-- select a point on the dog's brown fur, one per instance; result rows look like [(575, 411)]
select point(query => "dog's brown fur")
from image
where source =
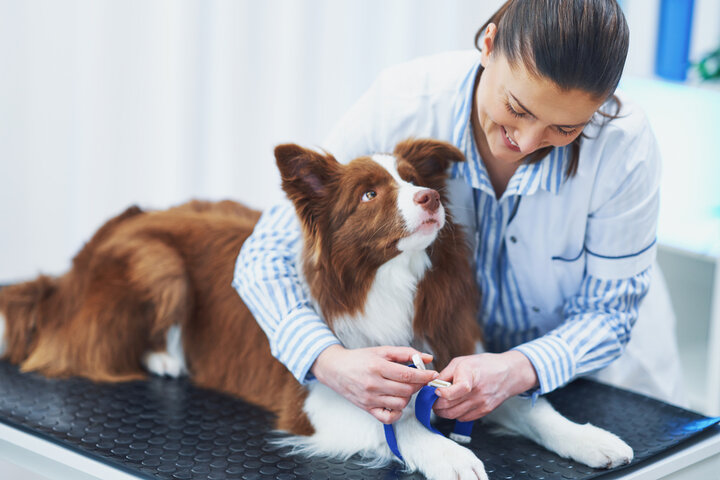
[(143, 272)]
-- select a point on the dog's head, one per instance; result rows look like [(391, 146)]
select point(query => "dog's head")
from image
[(376, 206), (357, 216), (23, 309)]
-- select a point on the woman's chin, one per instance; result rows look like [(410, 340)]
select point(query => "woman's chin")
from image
[(505, 155)]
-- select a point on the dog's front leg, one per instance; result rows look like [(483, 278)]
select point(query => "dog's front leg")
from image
[(169, 361), (342, 430), (542, 424), (435, 456)]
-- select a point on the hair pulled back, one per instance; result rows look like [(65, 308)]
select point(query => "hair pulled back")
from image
[(577, 44)]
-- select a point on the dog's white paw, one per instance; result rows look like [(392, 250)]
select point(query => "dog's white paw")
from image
[(598, 448), (452, 462), (163, 364)]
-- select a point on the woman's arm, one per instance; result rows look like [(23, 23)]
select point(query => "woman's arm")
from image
[(268, 280), (598, 324)]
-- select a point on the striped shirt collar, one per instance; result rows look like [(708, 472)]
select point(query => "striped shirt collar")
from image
[(548, 174)]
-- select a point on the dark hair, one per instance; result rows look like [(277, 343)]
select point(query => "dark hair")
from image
[(577, 44)]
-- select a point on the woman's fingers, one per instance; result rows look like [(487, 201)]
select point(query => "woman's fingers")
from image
[(392, 388), (461, 378), (444, 404), (407, 375), (469, 409), (448, 372), (456, 391), (393, 403), (403, 354), (386, 416)]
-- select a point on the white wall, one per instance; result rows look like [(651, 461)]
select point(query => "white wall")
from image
[(107, 103), (110, 103)]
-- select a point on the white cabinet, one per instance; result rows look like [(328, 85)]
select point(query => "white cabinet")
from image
[(686, 122)]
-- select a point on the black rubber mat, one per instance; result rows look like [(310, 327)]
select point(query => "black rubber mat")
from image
[(169, 429)]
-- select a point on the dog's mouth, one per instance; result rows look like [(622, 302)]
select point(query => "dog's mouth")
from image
[(423, 231), (428, 226)]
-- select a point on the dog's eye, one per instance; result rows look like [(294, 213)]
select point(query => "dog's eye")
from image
[(369, 195)]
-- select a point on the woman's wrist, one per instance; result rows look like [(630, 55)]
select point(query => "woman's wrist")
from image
[(523, 375), (320, 367)]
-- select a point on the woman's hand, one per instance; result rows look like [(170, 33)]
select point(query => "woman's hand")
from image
[(480, 383), (371, 379)]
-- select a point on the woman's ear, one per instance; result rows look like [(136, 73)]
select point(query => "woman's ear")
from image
[(487, 44)]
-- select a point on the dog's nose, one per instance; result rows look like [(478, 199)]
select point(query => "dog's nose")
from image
[(428, 199)]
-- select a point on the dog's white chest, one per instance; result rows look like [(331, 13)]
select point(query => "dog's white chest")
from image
[(390, 305)]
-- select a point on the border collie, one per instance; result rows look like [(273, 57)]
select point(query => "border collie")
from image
[(385, 263)]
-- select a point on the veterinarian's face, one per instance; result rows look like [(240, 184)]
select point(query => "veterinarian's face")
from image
[(519, 113)]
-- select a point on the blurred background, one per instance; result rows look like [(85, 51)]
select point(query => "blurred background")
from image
[(104, 104)]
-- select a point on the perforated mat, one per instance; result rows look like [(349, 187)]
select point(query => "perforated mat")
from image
[(169, 429)]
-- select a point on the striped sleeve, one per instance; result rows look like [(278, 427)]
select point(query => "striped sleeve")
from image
[(269, 282), (597, 327)]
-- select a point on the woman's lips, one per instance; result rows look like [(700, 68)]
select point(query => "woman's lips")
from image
[(508, 143)]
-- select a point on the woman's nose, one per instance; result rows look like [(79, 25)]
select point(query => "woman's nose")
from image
[(530, 138)]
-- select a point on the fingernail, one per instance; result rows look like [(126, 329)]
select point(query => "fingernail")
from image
[(435, 375)]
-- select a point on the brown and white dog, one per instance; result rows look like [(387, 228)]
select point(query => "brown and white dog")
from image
[(385, 263)]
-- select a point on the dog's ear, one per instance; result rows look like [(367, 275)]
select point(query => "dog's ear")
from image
[(431, 158), (304, 171), (307, 177)]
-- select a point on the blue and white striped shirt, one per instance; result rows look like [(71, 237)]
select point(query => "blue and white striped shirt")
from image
[(598, 319), (589, 333), (268, 279)]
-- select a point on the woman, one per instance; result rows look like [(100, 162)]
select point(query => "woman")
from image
[(561, 190)]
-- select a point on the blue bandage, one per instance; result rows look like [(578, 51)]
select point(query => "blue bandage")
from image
[(424, 402)]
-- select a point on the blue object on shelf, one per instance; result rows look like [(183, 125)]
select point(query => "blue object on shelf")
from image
[(673, 46)]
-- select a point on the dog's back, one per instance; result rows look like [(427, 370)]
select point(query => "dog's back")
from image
[(140, 275)]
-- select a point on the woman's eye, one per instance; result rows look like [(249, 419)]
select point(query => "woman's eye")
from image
[(369, 195), (512, 111), (566, 133)]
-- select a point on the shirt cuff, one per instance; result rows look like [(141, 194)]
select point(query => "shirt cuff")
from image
[(552, 359), (300, 338)]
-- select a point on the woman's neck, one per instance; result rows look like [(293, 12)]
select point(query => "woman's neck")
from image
[(499, 172)]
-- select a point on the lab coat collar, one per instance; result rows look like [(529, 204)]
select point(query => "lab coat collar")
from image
[(548, 174)]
